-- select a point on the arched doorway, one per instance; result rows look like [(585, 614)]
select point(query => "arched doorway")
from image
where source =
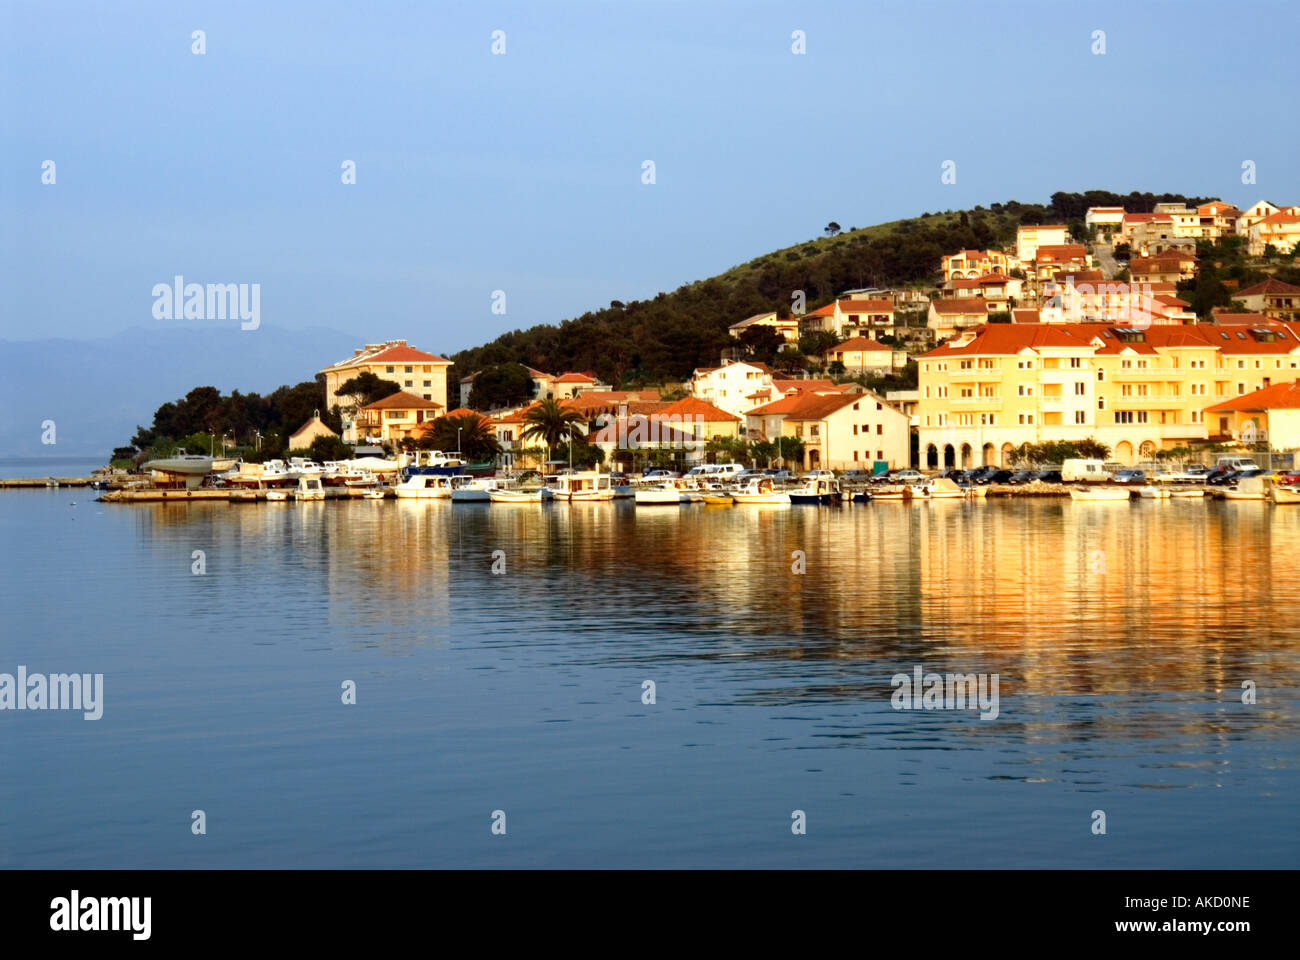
[(1005, 459), (987, 455), (1124, 452), (1147, 450), (931, 456), (965, 456), (949, 455), (814, 459)]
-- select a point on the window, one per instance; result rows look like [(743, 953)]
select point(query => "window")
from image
[(1078, 416), (1101, 403), (814, 429), (388, 369), (1075, 363), (878, 407), (880, 429), (408, 383), (880, 454), (409, 370), (1101, 374), (855, 431), (1123, 416), (428, 383), (1079, 389)]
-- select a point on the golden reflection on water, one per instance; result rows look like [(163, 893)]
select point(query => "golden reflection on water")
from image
[(1059, 598)]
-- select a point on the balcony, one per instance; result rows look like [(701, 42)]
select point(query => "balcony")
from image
[(977, 403), (975, 376), (1161, 399), (1145, 373)]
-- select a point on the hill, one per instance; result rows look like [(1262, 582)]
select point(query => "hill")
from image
[(652, 341)]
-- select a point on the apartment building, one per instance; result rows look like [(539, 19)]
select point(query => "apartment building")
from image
[(988, 390), (850, 317), (976, 263), (736, 386), (840, 431), (422, 374), (1029, 237)]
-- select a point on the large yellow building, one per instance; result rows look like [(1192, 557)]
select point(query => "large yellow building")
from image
[(990, 389), (422, 374)]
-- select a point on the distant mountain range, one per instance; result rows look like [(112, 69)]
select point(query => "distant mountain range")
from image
[(98, 391)]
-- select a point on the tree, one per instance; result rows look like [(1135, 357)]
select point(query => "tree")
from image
[(469, 433), (831, 229), (585, 455), (501, 385), (762, 342), (363, 389), (329, 448), (550, 423)]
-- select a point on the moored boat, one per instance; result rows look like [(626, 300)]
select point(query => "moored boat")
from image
[(665, 494), (516, 495), (1248, 488), (1186, 493), (583, 486), (1150, 492), (1099, 492), (944, 488), (760, 490), (309, 488), (821, 490), (424, 486), (1284, 494), (277, 496)]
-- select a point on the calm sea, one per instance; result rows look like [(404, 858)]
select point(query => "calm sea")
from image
[(1121, 635)]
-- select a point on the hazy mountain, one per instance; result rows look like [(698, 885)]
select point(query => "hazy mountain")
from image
[(98, 391)]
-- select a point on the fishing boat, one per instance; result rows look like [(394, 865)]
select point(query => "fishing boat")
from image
[(943, 488), (1247, 488), (1099, 492), (582, 486), (277, 496), (760, 490), (309, 488), (820, 490), (1281, 495), (424, 486), (466, 489), (664, 494), (1150, 492)]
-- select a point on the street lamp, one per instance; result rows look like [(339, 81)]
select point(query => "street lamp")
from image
[(458, 430)]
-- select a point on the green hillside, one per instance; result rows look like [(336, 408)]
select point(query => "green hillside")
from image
[(664, 338)]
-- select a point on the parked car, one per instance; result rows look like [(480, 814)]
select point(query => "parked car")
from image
[(1130, 476), (748, 475), (1289, 478), (855, 476), (978, 474), (1022, 477), (780, 476), (908, 476), (1196, 471), (952, 473), (1220, 476), (1049, 476)]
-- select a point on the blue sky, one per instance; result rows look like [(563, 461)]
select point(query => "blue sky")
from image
[(522, 172)]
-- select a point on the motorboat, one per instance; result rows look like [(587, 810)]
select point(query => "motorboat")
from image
[(373, 493), (1150, 492), (896, 491), (362, 479), (472, 489), (667, 493), (1187, 493), (277, 496), (1247, 488), (517, 495), (1099, 492), (582, 486), (309, 488), (304, 467), (1283, 494), (820, 490), (760, 490), (717, 498), (424, 486), (944, 488)]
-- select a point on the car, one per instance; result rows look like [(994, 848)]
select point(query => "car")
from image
[(952, 473), (908, 476), (818, 475), (1022, 477), (1049, 476), (780, 476), (1220, 477), (1196, 471), (1289, 478), (997, 476), (1130, 476), (856, 476)]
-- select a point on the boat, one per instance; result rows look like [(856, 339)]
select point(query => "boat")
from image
[(976, 491), (277, 496), (1281, 495), (424, 486), (304, 467), (373, 493), (466, 489), (863, 495), (891, 492), (944, 488), (194, 464), (274, 470), (509, 495), (309, 488), (1099, 492), (1150, 492), (1247, 488), (820, 490), (582, 486), (760, 490), (717, 498), (362, 479), (666, 493), (1187, 492)]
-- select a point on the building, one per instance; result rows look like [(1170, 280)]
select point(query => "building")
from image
[(861, 355), (422, 374), (1280, 230), (571, 384), (1253, 214), (998, 290), (543, 385), (1268, 415), (1051, 259), (848, 318), (301, 439), (702, 420), (840, 431), (1107, 221), (396, 417), (730, 386), (1272, 298), (950, 314), (1029, 237), (989, 390), (976, 263), (1157, 233), (1217, 219), (1168, 267), (788, 327)]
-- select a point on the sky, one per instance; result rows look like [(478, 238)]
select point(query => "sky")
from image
[(522, 171)]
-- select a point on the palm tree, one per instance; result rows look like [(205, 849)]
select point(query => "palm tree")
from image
[(550, 423), (469, 433)]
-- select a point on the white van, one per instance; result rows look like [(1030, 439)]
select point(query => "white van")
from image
[(1073, 471), (1237, 462)]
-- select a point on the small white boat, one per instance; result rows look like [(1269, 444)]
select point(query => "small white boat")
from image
[(304, 467), (309, 488), (891, 492), (1153, 493), (944, 488), (1186, 493), (666, 493), (277, 496), (274, 470), (1284, 494), (360, 480), (473, 489), (533, 495), (1248, 488), (373, 494), (760, 490), (819, 490), (424, 486), (582, 486), (976, 491), (1099, 492)]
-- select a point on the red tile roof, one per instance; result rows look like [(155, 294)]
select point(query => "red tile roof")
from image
[(1268, 286), (860, 343), (403, 400), (961, 305), (1060, 252), (695, 407), (1279, 396)]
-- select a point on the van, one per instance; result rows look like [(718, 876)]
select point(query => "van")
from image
[(1074, 470), (1236, 462)]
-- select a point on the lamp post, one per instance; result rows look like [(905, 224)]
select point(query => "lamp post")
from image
[(458, 430)]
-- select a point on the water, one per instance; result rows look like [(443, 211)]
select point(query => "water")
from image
[(1121, 635)]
